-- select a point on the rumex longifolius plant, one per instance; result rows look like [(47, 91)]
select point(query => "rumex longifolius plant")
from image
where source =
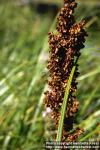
[(65, 46)]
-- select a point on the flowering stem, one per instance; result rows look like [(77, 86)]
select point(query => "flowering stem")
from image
[(65, 46), (64, 105)]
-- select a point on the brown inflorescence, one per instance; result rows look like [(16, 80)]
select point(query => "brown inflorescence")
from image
[(65, 48)]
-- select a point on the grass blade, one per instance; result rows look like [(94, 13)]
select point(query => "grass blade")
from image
[(63, 108)]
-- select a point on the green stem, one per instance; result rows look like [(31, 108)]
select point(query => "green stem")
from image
[(63, 108)]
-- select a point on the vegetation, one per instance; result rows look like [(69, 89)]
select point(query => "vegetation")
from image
[(23, 74)]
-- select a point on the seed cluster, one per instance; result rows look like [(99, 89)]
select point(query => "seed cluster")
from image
[(65, 47)]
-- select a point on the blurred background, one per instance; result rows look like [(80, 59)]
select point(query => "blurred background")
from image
[(24, 27)]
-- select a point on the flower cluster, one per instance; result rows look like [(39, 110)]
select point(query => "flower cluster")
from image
[(65, 48)]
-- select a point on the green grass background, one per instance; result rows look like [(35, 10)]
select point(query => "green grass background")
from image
[(23, 74)]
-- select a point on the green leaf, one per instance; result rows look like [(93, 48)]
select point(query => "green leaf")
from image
[(64, 105)]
